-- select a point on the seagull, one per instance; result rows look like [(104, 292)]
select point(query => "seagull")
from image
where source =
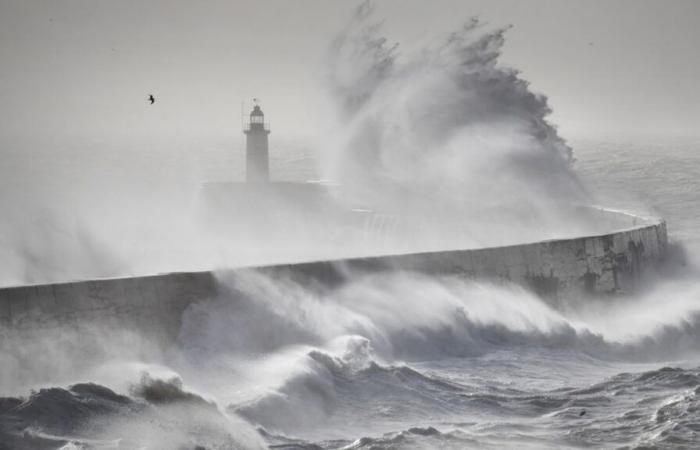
[(151, 99)]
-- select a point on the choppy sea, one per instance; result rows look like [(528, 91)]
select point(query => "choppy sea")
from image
[(395, 361)]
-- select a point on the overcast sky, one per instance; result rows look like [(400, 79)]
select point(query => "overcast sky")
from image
[(82, 70)]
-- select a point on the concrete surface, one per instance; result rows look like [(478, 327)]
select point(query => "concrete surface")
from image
[(568, 268)]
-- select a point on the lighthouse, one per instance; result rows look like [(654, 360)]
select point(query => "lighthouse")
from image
[(256, 147)]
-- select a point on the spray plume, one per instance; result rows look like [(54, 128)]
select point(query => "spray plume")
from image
[(445, 130)]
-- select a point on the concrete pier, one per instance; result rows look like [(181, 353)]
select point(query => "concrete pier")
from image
[(568, 268)]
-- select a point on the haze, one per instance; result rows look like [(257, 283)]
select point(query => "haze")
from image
[(95, 181), (81, 70)]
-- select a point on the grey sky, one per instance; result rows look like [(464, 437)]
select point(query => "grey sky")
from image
[(82, 70)]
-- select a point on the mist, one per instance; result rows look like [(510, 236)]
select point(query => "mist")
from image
[(403, 145), (439, 146), (288, 357)]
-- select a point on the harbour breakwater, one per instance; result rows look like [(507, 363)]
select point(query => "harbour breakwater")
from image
[(615, 262)]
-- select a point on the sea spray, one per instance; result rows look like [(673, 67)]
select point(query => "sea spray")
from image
[(298, 359), (327, 354), (412, 316), (445, 130)]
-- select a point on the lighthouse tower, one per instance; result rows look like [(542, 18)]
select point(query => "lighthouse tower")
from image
[(257, 160)]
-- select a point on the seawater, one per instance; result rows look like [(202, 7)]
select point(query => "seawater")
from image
[(395, 361)]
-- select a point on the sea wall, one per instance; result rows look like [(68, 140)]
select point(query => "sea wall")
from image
[(612, 263), (568, 268), (152, 304)]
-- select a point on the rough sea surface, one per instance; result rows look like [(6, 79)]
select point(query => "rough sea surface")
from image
[(395, 361)]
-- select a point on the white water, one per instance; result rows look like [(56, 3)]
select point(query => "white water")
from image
[(392, 361), (481, 364)]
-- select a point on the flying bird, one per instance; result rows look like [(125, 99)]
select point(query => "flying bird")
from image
[(151, 99)]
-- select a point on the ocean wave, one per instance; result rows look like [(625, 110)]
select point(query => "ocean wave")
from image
[(409, 316), (382, 352), (655, 409), (91, 416)]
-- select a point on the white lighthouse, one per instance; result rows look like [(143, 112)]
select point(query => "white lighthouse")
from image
[(257, 153)]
